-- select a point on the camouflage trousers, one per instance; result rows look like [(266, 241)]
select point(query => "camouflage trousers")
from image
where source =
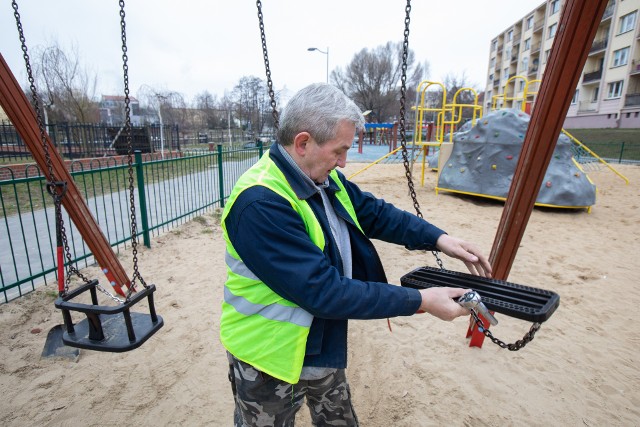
[(263, 401)]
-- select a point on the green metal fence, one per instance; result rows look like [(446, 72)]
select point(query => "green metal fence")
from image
[(167, 193)]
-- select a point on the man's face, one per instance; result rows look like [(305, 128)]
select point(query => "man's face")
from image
[(320, 160)]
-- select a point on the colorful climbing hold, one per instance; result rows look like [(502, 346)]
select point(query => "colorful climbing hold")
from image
[(494, 167), (548, 184), (509, 157)]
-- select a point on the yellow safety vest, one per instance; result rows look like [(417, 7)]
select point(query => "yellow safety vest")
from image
[(257, 325)]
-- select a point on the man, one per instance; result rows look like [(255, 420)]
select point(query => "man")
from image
[(300, 263)]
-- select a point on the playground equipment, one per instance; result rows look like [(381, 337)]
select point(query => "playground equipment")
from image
[(445, 118), (105, 328), (483, 160)]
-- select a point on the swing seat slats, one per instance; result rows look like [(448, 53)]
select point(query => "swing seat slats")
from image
[(112, 329), (522, 302)]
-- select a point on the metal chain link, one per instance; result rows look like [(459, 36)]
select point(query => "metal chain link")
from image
[(265, 54), (55, 188), (127, 130), (528, 337)]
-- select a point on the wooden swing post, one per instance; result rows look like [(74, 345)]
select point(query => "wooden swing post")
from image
[(576, 30), (16, 105)]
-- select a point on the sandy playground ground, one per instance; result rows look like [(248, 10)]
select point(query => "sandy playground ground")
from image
[(581, 369)]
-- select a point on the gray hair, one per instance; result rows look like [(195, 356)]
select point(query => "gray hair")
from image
[(318, 109)]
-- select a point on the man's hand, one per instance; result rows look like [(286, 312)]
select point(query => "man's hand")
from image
[(438, 301), (468, 253)]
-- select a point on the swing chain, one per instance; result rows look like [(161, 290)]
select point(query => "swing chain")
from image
[(127, 130), (55, 188), (274, 111), (403, 137), (528, 337)]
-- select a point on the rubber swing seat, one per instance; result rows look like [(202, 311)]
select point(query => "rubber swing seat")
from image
[(522, 302)]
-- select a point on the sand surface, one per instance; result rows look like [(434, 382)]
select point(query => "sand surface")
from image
[(581, 369)]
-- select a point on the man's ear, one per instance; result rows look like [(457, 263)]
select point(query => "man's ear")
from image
[(300, 142)]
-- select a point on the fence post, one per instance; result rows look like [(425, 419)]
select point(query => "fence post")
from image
[(177, 138), (260, 149), (66, 131), (220, 176), (142, 197), (621, 153)]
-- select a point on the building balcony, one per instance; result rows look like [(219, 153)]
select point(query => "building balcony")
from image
[(592, 77), (598, 46), (532, 70), (632, 100), (635, 68), (535, 47), (496, 83), (608, 12), (538, 25), (587, 106)]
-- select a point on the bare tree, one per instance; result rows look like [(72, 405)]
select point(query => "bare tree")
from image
[(67, 90), (252, 104), (372, 79)]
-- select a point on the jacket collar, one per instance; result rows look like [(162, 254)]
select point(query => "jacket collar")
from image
[(301, 184)]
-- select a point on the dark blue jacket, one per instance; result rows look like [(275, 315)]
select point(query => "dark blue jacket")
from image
[(271, 239)]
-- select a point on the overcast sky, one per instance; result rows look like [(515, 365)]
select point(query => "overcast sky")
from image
[(190, 46)]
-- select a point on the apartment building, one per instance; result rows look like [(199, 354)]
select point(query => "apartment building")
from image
[(608, 93)]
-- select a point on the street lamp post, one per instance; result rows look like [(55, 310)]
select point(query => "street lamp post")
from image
[(311, 49)]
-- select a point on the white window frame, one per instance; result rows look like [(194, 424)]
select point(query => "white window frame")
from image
[(628, 22), (554, 7), (576, 94), (596, 94), (510, 36), (614, 89), (552, 30), (620, 57), (530, 22), (527, 44)]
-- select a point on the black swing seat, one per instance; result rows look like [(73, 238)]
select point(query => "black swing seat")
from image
[(522, 302), (113, 329)]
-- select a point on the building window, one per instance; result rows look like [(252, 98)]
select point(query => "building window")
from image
[(627, 22), (620, 57), (491, 77), (552, 31), (521, 86), (494, 45), (530, 22), (628, 115), (492, 63), (615, 90), (636, 114), (509, 36), (505, 76), (554, 7), (546, 55), (574, 100), (527, 44), (596, 93), (525, 64)]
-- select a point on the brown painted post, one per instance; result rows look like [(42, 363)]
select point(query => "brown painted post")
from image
[(15, 104), (576, 30)]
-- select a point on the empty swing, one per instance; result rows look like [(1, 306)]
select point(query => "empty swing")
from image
[(522, 302), (105, 328)]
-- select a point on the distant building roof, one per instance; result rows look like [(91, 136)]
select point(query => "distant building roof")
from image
[(117, 98)]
